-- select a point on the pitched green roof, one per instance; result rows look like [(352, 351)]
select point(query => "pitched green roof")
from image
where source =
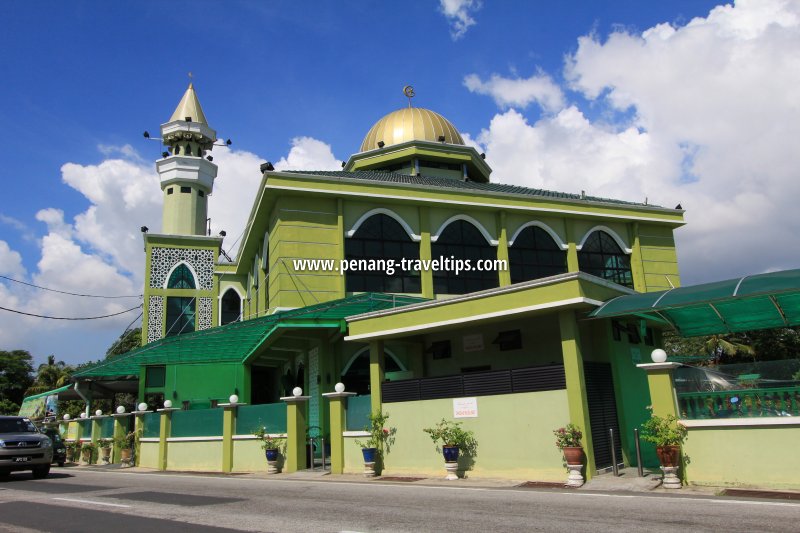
[(235, 341), (450, 183)]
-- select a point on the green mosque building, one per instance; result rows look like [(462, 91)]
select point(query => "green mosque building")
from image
[(350, 276)]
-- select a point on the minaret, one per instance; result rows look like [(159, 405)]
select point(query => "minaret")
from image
[(187, 176)]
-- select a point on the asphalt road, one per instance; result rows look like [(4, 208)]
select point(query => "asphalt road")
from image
[(83, 500)]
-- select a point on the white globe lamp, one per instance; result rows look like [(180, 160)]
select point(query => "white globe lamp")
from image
[(658, 356), (120, 409), (142, 406), (233, 399), (297, 391), (66, 416), (167, 404), (339, 387)]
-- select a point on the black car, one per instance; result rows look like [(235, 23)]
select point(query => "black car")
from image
[(59, 446)]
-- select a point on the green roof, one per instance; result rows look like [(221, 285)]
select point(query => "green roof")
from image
[(762, 301), (236, 341), (48, 393), (451, 183)]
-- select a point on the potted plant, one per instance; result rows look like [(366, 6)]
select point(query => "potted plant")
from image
[(105, 448), (380, 441), (568, 440), (125, 444), (668, 434), (450, 438), (72, 448), (88, 450), (272, 449)]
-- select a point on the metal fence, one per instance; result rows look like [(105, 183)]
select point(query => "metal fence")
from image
[(271, 416)]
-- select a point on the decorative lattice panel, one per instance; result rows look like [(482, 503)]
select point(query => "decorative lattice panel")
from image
[(155, 317), (204, 313), (163, 260)]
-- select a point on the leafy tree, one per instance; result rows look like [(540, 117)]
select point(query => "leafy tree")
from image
[(129, 340), (50, 375), (748, 346), (16, 375)]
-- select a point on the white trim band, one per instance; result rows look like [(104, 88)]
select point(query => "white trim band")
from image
[(743, 422)]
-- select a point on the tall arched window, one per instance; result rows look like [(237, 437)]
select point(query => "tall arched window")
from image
[(534, 255), (230, 307), (381, 238), (181, 278), (601, 256), (180, 315), (356, 375), (460, 240)]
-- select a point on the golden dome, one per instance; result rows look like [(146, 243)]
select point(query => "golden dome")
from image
[(411, 124)]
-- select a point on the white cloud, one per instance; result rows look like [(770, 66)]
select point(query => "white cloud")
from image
[(715, 121), (100, 251), (459, 14), (519, 92), (10, 261)]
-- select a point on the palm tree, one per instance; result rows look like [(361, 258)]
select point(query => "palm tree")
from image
[(50, 375), (718, 345)]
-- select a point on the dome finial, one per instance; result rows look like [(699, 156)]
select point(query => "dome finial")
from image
[(408, 90)]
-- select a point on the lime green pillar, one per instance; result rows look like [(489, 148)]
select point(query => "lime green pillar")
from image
[(296, 431), (340, 238), (572, 250), (662, 391), (376, 371), (119, 432), (502, 251), (164, 430), (576, 385), (637, 265), (425, 252), (228, 430), (337, 400), (138, 429)]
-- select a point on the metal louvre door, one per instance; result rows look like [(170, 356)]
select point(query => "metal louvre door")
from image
[(602, 412)]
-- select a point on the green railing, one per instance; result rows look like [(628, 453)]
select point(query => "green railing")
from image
[(743, 403), (358, 410), (272, 416), (197, 423), (106, 428), (152, 425), (85, 426)]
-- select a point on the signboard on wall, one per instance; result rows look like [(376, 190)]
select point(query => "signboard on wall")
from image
[(473, 343), (465, 408)]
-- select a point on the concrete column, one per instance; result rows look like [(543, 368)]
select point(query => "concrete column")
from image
[(165, 428), (337, 428), (295, 432), (662, 391), (138, 428), (228, 430), (376, 373), (502, 251), (576, 384), (572, 251), (425, 252), (120, 430), (340, 237)]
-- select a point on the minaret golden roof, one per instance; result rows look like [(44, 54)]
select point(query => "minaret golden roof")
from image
[(189, 106)]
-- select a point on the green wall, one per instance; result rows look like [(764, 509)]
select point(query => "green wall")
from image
[(514, 434), (200, 383), (744, 456)]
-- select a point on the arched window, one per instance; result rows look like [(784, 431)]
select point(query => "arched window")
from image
[(534, 255), (460, 240), (230, 307), (381, 238), (180, 315), (356, 375), (601, 256), (181, 278)]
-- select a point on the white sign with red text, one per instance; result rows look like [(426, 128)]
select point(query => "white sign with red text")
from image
[(465, 408)]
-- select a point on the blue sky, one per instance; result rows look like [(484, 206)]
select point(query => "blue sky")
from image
[(560, 91)]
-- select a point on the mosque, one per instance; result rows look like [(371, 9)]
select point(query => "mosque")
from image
[(411, 277)]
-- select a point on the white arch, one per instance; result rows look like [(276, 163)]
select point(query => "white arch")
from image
[(366, 349), (561, 244), (219, 302), (613, 234), (389, 213), (465, 218), (169, 275)]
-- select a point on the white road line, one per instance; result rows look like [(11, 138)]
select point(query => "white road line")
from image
[(474, 489), (92, 502)]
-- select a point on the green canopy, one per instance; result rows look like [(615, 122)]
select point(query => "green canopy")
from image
[(762, 301)]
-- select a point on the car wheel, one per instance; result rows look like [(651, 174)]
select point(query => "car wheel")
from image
[(41, 472), (61, 463), (4, 473)]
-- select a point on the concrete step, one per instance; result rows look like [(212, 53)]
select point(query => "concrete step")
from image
[(628, 481)]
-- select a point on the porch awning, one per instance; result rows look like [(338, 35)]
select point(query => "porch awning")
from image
[(237, 341), (762, 301)]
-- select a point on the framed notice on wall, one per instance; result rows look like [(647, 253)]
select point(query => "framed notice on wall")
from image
[(472, 343), (465, 408)]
